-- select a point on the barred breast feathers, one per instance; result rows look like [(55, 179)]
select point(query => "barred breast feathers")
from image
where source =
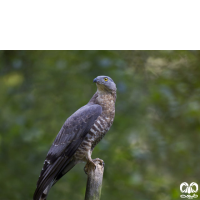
[(101, 125)]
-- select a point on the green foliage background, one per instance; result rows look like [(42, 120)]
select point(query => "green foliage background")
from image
[(153, 145)]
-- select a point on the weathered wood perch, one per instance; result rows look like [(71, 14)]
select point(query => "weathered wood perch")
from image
[(94, 180)]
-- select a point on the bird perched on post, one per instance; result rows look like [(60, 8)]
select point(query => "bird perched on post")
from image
[(77, 138)]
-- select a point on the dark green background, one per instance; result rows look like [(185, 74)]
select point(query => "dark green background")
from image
[(153, 145)]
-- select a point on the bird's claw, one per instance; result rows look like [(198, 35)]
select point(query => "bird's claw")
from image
[(89, 164), (85, 169), (101, 162)]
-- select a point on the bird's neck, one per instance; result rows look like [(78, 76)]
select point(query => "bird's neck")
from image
[(104, 99)]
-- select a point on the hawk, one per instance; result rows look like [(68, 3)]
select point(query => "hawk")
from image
[(77, 138)]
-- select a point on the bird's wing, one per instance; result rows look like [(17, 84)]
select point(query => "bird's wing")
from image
[(66, 143)]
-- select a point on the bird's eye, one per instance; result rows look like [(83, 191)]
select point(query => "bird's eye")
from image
[(105, 79)]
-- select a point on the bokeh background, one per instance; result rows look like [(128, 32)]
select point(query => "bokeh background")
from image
[(153, 145)]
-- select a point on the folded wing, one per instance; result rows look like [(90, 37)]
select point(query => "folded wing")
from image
[(65, 145)]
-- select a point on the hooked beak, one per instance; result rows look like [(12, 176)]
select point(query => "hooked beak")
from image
[(95, 80)]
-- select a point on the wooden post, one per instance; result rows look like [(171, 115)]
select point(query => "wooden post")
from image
[(94, 180)]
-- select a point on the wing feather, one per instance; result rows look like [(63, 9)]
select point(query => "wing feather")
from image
[(66, 143)]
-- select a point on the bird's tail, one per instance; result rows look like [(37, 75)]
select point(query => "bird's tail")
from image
[(43, 195)]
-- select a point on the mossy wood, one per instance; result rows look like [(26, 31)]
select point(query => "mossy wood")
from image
[(94, 180)]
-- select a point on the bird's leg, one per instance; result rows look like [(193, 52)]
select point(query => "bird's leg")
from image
[(89, 163)]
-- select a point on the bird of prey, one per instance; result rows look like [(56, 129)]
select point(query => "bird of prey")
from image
[(77, 138)]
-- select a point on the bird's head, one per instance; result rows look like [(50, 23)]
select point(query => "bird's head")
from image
[(105, 84)]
